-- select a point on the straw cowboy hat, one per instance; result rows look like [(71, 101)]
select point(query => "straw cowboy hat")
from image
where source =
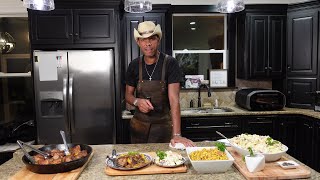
[(147, 29)]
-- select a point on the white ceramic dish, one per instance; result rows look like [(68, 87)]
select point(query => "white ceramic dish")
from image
[(268, 156), (211, 166), (288, 164), (183, 160), (255, 163)]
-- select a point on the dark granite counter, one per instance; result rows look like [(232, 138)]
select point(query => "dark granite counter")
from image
[(95, 168)]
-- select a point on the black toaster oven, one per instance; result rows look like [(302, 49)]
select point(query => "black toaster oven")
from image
[(255, 99)]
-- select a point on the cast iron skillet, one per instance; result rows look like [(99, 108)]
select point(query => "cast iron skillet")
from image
[(57, 168)]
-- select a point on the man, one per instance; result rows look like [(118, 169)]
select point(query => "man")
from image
[(154, 77)]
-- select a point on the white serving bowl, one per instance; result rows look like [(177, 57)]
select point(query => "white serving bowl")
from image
[(269, 156), (210, 166)]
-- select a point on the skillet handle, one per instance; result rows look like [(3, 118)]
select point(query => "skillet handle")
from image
[(20, 143)]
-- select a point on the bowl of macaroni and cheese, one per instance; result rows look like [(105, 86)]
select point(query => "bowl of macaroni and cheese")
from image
[(209, 159), (272, 149)]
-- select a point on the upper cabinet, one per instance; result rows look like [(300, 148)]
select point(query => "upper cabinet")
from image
[(302, 42), (303, 54), (131, 21), (73, 26), (261, 43)]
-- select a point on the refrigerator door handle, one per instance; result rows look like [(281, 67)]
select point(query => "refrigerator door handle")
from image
[(65, 100), (71, 102)]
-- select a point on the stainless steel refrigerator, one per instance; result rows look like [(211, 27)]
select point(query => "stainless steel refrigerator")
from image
[(74, 92)]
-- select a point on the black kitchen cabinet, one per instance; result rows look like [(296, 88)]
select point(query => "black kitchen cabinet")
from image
[(263, 125), (72, 26), (261, 44), (316, 146), (302, 43), (305, 140), (298, 92), (286, 131), (131, 21), (303, 54), (204, 128)]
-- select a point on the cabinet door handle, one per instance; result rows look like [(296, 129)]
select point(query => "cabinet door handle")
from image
[(76, 34), (270, 68), (70, 34), (209, 127), (289, 67), (258, 122), (195, 124), (228, 123), (266, 68)]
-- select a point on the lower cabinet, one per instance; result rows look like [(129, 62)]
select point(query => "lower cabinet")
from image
[(286, 131), (316, 146), (204, 128), (258, 125), (305, 140)]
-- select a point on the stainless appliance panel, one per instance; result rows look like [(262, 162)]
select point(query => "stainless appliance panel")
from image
[(49, 100), (91, 96)]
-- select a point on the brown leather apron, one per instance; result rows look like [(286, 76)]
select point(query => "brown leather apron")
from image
[(155, 126)]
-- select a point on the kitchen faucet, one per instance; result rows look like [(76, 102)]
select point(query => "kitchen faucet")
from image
[(199, 94)]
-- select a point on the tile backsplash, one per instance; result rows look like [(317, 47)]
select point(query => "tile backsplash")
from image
[(225, 97)]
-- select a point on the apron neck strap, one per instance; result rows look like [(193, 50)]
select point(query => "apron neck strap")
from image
[(140, 68), (163, 76)]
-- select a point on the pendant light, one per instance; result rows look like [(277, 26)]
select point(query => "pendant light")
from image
[(40, 5), (7, 43), (137, 6), (230, 6)]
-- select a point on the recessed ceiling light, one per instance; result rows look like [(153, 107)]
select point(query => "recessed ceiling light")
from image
[(193, 29), (192, 23)]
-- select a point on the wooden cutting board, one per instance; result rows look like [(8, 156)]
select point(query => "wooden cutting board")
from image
[(25, 174), (152, 169), (271, 171)]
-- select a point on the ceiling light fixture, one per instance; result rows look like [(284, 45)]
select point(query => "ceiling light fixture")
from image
[(40, 5), (192, 23), (7, 43), (137, 6), (230, 6)]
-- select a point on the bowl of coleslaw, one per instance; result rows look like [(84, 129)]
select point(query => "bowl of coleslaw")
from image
[(272, 149)]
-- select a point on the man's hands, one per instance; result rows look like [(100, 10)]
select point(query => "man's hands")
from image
[(144, 105), (179, 139)]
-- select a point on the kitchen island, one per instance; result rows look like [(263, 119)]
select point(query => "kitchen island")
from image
[(96, 167)]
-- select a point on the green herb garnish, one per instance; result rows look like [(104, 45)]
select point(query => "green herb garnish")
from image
[(161, 154), (251, 151), (271, 141), (221, 146), (131, 153)]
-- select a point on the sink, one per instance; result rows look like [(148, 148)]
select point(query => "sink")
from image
[(206, 110)]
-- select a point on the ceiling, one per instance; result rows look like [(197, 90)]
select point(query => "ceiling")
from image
[(14, 8)]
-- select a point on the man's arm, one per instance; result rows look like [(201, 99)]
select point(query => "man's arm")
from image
[(144, 105), (173, 93), (130, 94)]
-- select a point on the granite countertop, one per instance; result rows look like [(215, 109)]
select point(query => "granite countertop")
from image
[(95, 168), (238, 111)]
